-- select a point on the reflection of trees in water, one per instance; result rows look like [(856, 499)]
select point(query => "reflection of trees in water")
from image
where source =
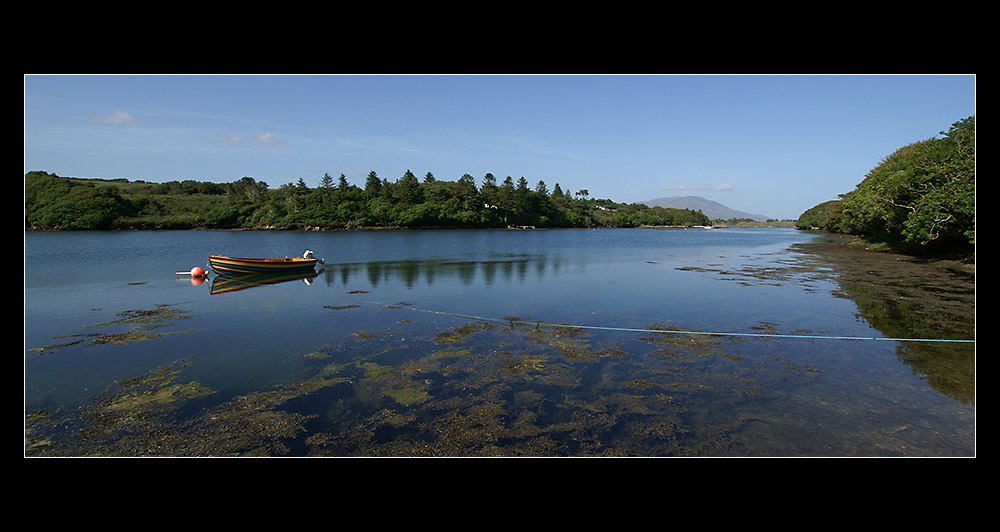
[(515, 268), (906, 297)]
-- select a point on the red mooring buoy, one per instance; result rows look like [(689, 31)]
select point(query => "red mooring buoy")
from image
[(195, 272)]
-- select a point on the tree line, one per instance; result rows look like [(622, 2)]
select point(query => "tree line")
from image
[(921, 199), (60, 203)]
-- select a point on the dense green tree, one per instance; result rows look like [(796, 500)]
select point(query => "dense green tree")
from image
[(821, 216), (557, 191), (407, 190), (505, 199), (326, 181), (467, 194), (489, 191), (920, 199), (248, 188), (373, 185), (53, 202)]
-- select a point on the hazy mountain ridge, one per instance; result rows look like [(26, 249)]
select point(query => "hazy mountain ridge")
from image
[(712, 209)]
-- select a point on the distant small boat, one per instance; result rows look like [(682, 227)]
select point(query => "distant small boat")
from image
[(244, 265)]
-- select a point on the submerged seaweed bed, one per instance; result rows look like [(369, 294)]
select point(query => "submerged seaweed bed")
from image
[(517, 387), (481, 389)]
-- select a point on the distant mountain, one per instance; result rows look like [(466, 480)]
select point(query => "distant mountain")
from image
[(712, 209)]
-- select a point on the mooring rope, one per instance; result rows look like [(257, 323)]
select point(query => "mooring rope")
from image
[(681, 331)]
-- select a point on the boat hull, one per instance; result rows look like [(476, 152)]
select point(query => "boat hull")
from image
[(245, 265)]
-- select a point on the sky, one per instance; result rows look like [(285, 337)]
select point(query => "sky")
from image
[(773, 145)]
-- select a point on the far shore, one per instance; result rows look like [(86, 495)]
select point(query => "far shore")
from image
[(783, 223)]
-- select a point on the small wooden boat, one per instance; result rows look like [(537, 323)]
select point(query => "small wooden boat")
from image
[(243, 265)]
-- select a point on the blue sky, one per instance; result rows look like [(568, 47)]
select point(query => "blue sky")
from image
[(765, 144)]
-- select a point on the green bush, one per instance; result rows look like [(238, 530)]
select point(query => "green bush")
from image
[(920, 199), (52, 202)]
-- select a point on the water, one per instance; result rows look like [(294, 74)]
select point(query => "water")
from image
[(469, 343)]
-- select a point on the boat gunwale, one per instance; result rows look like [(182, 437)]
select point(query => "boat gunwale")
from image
[(275, 260), (224, 264)]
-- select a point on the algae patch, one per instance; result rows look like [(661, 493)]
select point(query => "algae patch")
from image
[(151, 415), (141, 325), (341, 307)]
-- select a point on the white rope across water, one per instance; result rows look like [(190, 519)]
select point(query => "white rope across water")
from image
[(678, 331)]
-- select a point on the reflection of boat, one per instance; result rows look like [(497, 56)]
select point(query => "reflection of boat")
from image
[(237, 265), (229, 282)]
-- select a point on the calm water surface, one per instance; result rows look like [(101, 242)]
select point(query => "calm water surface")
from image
[(472, 343)]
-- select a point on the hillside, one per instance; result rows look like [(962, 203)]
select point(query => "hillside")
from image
[(712, 209)]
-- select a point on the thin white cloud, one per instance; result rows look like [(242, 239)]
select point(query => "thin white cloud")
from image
[(116, 117), (236, 139), (270, 140), (699, 187), (230, 138)]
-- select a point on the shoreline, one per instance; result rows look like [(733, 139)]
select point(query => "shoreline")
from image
[(830, 241), (854, 247)]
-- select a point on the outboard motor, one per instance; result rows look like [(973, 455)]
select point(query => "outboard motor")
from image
[(309, 255)]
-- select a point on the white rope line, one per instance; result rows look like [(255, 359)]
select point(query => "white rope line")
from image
[(678, 331)]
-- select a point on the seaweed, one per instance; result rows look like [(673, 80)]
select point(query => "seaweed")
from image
[(144, 325)]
